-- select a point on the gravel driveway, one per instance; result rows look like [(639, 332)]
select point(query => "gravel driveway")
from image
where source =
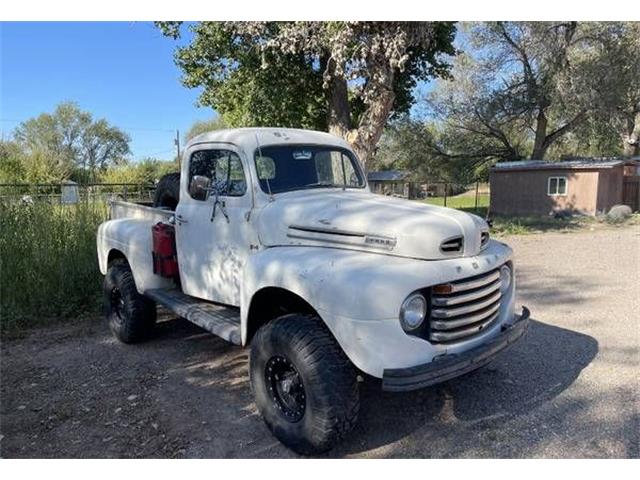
[(569, 389)]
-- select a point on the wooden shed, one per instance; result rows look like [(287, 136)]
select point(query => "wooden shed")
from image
[(390, 182), (589, 187)]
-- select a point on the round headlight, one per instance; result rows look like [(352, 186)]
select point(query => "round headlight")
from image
[(413, 311), (505, 278)]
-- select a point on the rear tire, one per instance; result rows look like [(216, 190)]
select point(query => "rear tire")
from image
[(168, 192), (131, 316), (319, 405)]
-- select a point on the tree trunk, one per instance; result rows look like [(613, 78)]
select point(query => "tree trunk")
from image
[(379, 98), (539, 145), (631, 138), (543, 140), (339, 120)]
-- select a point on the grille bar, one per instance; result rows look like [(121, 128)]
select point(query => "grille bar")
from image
[(463, 322), (462, 286), (463, 332), (448, 301), (472, 307)]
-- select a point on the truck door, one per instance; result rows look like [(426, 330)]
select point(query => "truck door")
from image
[(212, 233)]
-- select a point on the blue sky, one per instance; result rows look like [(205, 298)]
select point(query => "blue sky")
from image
[(123, 72)]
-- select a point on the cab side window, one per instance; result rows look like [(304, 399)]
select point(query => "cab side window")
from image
[(216, 170)]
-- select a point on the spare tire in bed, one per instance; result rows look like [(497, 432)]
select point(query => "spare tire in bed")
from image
[(168, 191)]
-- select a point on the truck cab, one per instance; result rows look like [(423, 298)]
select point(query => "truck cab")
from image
[(280, 247)]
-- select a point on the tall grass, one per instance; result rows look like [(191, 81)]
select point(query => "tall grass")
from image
[(48, 264)]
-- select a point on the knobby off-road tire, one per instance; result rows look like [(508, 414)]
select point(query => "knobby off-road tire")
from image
[(168, 192), (131, 316), (301, 347)]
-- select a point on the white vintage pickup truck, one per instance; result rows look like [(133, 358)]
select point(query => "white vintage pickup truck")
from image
[(270, 238)]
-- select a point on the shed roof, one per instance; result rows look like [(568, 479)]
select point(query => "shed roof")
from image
[(578, 164), (387, 176)]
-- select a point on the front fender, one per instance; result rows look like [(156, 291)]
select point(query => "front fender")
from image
[(358, 295)]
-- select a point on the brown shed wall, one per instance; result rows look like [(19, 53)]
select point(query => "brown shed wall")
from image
[(524, 192), (610, 188)]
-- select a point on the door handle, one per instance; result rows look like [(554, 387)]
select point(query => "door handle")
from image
[(181, 219)]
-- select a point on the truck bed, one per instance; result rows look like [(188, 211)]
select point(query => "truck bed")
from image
[(122, 209)]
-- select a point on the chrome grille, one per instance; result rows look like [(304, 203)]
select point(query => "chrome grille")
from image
[(469, 307)]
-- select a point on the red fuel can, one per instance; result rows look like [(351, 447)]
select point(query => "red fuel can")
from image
[(165, 260)]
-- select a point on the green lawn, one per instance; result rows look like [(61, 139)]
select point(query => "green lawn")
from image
[(462, 202), (526, 224)]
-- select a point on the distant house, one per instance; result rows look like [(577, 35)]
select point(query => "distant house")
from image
[(390, 182), (583, 186)]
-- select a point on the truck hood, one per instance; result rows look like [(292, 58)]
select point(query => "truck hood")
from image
[(369, 222)]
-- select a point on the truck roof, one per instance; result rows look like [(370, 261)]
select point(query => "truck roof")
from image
[(246, 137)]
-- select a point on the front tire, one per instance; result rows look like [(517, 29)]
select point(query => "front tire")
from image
[(131, 316), (304, 385)]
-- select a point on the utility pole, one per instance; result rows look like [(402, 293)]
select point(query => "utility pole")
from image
[(177, 142)]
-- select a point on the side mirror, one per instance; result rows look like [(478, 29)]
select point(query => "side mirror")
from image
[(200, 187)]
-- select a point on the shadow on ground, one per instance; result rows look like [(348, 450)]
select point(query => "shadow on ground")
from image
[(186, 393), (541, 366), (545, 363)]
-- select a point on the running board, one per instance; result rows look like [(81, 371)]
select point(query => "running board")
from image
[(217, 319)]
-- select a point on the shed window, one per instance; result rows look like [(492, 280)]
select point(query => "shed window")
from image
[(557, 186)]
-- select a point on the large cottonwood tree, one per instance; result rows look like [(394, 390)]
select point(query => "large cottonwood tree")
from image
[(344, 77)]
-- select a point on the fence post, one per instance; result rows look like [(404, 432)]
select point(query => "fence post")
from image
[(446, 188), (476, 207)]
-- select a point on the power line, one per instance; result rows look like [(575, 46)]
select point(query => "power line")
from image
[(135, 129), (157, 153), (144, 129)]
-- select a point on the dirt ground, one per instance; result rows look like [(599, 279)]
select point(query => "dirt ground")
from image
[(569, 389)]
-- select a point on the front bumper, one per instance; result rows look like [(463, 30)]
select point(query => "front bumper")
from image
[(450, 366)]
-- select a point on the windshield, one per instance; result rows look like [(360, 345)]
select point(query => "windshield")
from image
[(283, 168)]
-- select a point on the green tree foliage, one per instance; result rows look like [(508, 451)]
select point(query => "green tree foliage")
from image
[(406, 145), (203, 126), (35, 166), (533, 89), (612, 57), (68, 143), (345, 77), (146, 171), (12, 169)]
